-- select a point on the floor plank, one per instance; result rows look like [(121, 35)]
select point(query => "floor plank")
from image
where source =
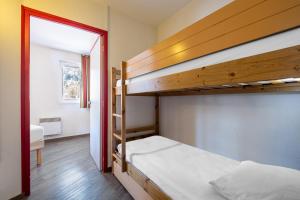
[(69, 172)]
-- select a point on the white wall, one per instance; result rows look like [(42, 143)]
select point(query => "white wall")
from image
[(188, 15), (87, 12), (91, 12), (46, 91), (10, 136), (261, 127), (127, 38)]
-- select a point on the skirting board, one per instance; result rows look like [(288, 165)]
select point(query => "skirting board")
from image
[(136, 191), (65, 138), (18, 197)]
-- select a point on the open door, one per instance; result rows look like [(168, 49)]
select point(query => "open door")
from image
[(98, 152), (95, 117)]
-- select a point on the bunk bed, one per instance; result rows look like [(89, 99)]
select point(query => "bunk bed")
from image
[(192, 62)]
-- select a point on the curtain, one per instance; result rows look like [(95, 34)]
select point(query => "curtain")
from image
[(85, 82)]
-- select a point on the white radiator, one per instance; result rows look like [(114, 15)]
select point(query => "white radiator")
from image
[(52, 126)]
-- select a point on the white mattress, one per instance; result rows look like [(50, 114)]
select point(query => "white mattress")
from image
[(180, 170), (275, 42), (36, 133)]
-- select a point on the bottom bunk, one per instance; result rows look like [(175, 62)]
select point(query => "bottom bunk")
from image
[(160, 168), (136, 190)]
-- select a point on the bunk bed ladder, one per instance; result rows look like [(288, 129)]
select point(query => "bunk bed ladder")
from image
[(119, 136)]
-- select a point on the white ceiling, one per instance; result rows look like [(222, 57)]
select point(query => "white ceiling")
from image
[(148, 11), (59, 36)]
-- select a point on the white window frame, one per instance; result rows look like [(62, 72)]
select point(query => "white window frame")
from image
[(63, 64)]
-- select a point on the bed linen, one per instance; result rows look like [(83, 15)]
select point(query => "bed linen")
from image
[(36, 133), (179, 170), (252, 181)]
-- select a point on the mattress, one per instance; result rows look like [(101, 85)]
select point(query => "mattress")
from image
[(181, 171), (275, 42), (36, 133)]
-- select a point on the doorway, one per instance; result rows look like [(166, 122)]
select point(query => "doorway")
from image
[(25, 88)]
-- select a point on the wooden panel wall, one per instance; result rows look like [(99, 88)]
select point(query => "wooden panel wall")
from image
[(237, 23), (280, 64)]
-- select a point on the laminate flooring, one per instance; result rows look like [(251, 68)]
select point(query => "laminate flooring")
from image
[(69, 172)]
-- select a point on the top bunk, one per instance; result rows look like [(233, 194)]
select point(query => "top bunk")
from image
[(246, 46)]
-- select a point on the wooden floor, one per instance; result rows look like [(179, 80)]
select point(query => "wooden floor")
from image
[(68, 172)]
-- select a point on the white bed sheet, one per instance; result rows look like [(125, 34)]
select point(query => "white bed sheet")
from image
[(275, 42), (36, 133), (181, 171)]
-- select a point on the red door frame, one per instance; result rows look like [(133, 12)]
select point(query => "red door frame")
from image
[(25, 101)]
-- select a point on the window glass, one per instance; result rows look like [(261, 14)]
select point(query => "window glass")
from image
[(71, 81)]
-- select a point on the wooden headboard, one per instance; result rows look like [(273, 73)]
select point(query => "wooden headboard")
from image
[(239, 22)]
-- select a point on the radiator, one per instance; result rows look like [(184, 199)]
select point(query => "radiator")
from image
[(52, 126)]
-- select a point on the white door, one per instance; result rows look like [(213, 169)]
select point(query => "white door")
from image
[(95, 136)]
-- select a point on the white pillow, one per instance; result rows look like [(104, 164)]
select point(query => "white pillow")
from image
[(253, 181)]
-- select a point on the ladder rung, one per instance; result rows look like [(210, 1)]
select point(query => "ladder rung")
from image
[(121, 161), (117, 115), (118, 158), (118, 72), (117, 136)]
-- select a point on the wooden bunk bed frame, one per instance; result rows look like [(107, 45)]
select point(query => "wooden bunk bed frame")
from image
[(237, 23)]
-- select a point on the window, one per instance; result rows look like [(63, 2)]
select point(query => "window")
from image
[(71, 80)]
